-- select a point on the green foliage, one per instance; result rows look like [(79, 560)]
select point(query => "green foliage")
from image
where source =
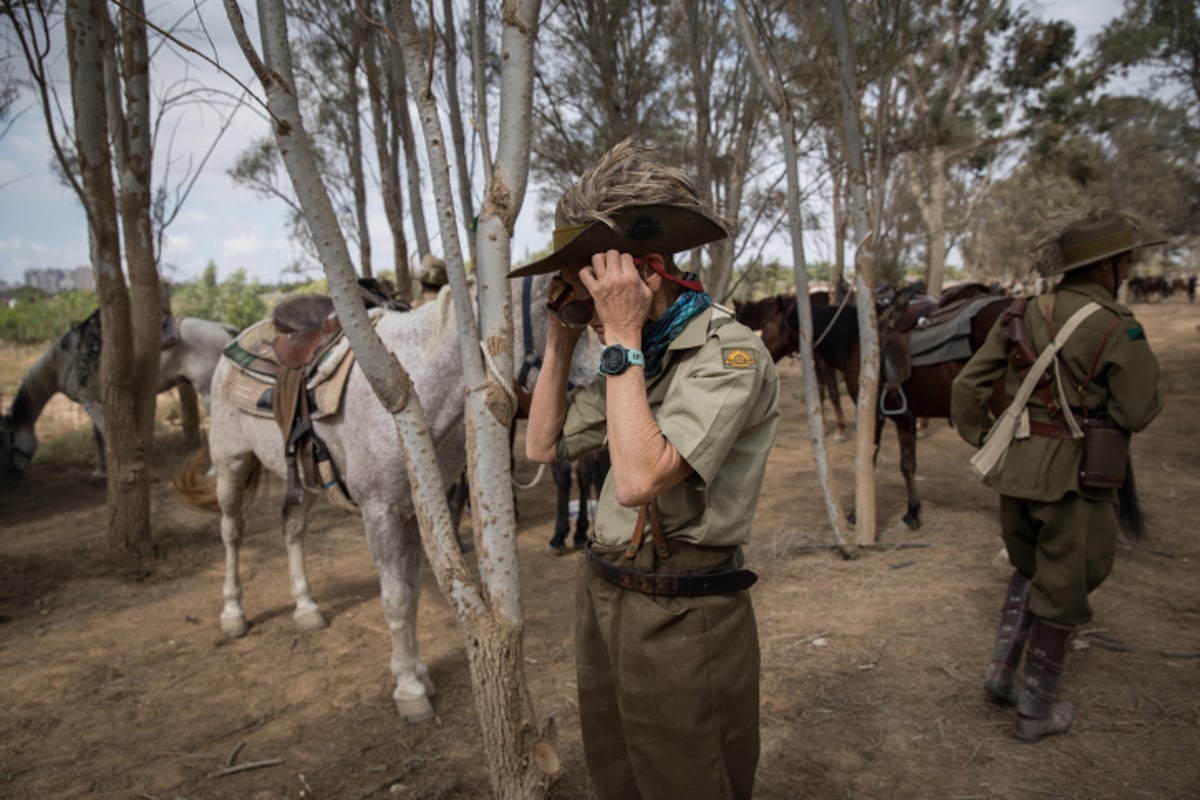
[(37, 317), (233, 301)]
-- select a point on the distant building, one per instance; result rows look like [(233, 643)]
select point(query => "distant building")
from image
[(53, 280)]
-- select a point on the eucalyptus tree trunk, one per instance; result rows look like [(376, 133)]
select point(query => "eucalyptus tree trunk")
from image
[(129, 533), (511, 730), (933, 213), (864, 280), (457, 134), (403, 123), (519, 757), (776, 95), (354, 123), (134, 154), (376, 60), (837, 202)]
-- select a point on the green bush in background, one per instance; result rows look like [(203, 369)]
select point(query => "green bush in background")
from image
[(234, 301), (30, 317)]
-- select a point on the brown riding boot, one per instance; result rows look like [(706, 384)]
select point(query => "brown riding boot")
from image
[(1039, 713), (1015, 619)]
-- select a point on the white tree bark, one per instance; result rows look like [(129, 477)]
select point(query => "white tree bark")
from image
[(864, 281), (777, 96), (489, 615)]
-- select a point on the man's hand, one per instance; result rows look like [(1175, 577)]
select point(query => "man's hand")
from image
[(622, 298)]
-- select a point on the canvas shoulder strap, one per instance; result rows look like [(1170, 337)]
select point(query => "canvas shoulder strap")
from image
[(991, 455)]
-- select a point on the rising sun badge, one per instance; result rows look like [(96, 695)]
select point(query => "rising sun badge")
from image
[(737, 358)]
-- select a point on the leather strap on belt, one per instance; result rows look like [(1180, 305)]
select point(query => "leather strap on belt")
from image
[(660, 541), (1052, 430), (694, 584)]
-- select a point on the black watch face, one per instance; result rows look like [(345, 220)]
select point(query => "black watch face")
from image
[(612, 360)]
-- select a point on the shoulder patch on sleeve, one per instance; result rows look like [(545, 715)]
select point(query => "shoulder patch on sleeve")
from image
[(1135, 333), (738, 358)]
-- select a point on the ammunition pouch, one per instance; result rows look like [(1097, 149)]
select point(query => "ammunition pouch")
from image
[(1105, 454)]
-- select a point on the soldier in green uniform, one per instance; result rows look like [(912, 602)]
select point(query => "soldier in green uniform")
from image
[(667, 653), (1058, 513)]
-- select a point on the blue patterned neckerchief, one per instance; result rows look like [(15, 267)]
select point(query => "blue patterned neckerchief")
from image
[(664, 330)]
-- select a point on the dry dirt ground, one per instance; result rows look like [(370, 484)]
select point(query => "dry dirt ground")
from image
[(118, 684)]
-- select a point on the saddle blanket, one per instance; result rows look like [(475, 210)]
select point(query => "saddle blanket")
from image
[(947, 337), (251, 386)]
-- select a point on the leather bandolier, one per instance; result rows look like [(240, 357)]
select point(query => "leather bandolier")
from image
[(1105, 445)]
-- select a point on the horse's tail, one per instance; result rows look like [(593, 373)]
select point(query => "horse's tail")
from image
[(1129, 510), (199, 490)]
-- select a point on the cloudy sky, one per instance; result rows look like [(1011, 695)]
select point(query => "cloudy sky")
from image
[(41, 224)]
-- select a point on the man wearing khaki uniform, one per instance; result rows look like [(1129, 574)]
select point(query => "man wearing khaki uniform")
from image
[(667, 652), (1057, 517)]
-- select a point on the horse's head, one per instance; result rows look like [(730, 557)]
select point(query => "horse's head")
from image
[(780, 333)]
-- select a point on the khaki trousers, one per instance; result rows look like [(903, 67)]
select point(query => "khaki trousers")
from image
[(668, 686), (1066, 546)]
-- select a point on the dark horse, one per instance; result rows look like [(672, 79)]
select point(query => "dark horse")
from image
[(924, 390), (777, 318)]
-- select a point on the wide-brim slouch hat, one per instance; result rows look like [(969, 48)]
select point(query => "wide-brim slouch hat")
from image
[(1070, 243), (627, 203)]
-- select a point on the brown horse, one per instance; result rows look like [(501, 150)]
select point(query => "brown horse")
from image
[(926, 390), (777, 319)]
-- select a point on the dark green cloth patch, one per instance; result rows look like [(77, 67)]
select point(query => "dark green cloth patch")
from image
[(1136, 334)]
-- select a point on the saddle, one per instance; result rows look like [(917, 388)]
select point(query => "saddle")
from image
[(895, 354), (307, 326), (293, 367)]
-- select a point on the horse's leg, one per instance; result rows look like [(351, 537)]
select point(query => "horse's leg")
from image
[(828, 383), (562, 521), (457, 497), (583, 477), (189, 415), (906, 430), (231, 480), (100, 473), (295, 524), (396, 548)]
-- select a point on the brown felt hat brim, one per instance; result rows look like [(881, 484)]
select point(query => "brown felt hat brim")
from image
[(637, 230)]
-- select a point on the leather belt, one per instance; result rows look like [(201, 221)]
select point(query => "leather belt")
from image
[(693, 584), (1053, 430)]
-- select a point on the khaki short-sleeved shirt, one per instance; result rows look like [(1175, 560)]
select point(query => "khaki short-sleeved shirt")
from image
[(720, 415)]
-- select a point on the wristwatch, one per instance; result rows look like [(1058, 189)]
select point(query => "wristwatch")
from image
[(615, 358)]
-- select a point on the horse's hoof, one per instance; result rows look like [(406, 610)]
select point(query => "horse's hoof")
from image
[(98, 479), (415, 709), (839, 438), (465, 545), (234, 627), (913, 523), (310, 620)]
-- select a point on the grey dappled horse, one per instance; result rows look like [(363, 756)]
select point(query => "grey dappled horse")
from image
[(72, 364), (364, 446)]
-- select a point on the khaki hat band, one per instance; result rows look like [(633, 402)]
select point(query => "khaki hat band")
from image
[(1098, 248), (564, 235)]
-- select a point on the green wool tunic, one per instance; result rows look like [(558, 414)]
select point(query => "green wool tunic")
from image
[(1058, 533), (1123, 389)]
